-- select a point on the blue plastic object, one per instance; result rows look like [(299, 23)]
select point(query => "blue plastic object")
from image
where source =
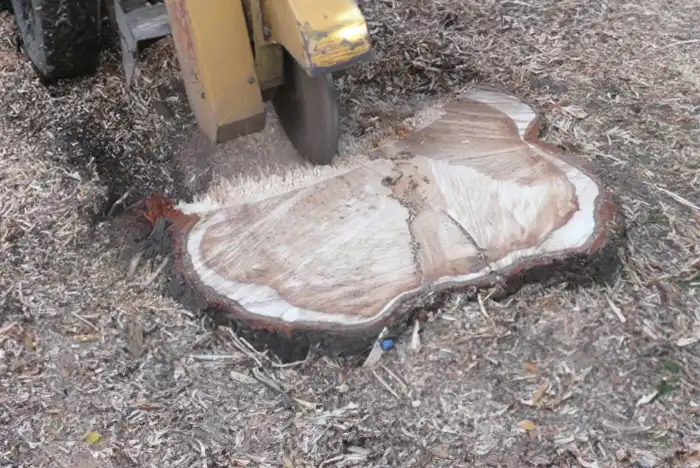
[(387, 344)]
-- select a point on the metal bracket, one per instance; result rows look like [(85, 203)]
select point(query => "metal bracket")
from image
[(136, 24)]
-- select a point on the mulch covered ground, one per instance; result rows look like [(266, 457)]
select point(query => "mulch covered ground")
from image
[(99, 368)]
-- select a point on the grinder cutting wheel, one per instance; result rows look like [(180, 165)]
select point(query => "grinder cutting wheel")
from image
[(234, 56), (308, 110), (237, 54)]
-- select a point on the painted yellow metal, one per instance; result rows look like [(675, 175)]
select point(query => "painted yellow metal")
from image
[(323, 36), (216, 59), (268, 55)]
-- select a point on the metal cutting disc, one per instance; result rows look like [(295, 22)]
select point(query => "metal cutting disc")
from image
[(308, 110)]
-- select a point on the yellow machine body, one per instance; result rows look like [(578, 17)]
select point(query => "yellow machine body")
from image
[(231, 53), (323, 36), (217, 65)]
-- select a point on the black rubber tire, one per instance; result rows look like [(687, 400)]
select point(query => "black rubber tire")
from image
[(308, 111), (60, 37)]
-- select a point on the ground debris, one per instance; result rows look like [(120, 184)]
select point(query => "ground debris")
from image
[(617, 81)]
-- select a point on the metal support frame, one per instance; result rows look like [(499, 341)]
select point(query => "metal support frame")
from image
[(137, 22)]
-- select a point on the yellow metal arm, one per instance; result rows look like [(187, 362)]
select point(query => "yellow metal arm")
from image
[(323, 36), (213, 49)]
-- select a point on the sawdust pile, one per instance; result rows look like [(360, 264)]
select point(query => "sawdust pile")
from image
[(551, 377), (264, 165)]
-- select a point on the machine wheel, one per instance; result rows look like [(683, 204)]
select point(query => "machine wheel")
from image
[(60, 37), (308, 110)]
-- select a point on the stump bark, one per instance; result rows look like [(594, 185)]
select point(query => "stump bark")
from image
[(468, 198)]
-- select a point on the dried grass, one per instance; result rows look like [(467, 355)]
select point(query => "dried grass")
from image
[(551, 377)]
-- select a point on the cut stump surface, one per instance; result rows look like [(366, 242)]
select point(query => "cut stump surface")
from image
[(470, 196)]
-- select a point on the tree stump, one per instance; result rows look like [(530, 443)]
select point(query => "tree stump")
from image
[(467, 198)]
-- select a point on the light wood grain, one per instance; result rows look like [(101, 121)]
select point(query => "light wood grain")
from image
[(469, 194)]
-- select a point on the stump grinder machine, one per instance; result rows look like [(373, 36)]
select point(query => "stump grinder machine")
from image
[(234, 56)]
